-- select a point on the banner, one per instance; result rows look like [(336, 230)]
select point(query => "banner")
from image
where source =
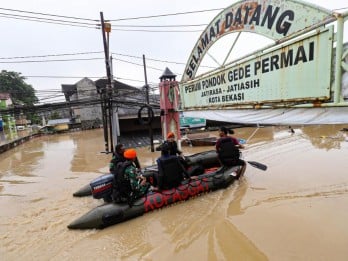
[(295, 71)]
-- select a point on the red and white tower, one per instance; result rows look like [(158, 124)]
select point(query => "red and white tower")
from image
[(169, 104)]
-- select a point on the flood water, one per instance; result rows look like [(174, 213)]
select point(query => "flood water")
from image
[(296, 210)]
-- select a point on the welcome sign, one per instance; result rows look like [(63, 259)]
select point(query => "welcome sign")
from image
[(274, 19), (295, 71)]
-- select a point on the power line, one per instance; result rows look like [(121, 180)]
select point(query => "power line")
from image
[(47, 55), (157, 60), (163, 15), (77, 77), (62, 77), (61, 60), (160, 26), (158, 31), (46, 14), (45, 19), (49, 22), (138, 64), (79, 59), (96, 26)]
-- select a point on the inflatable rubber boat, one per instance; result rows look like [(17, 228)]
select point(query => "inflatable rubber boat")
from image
[(214, 177), (206, 159), (112, 213)]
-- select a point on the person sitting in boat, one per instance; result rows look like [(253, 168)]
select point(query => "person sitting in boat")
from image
[(117, 157), (227, 148), (173, 148), (223, 134), (172, 145), (129, 184), (170, 170)]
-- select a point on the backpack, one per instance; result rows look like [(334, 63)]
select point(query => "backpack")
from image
[(228, 152), (122, 190), (114, 161)]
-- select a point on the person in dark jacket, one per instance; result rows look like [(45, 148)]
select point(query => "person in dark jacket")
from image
[(129, 184), (170, 170), (223, 134), (117, 157), (227, 148), (172, 145), (173, 148)]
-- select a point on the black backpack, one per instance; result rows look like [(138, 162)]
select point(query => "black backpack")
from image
[(228, 152), (122, 190), (114, 161)]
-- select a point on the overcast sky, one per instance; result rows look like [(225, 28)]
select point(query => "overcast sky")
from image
[(28, 39)]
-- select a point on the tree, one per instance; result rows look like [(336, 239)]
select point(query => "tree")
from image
[(14, 84)]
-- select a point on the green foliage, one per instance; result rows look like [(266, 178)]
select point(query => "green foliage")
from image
[(20, 91), (34, 118)]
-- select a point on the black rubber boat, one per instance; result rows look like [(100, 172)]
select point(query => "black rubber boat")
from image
[(206, 159), (114, 213)]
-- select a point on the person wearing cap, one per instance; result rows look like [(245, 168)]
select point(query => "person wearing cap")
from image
[(129, 184), (173, 146)]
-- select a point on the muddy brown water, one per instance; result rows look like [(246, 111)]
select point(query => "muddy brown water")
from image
[(296, 210)]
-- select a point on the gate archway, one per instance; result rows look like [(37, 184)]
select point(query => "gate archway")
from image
[(296, 68)]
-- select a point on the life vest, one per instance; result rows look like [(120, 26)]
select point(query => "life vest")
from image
[(170, 172), (228, 152)]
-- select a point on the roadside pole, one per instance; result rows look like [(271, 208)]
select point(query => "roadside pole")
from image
[(106, 29), (148, 102)]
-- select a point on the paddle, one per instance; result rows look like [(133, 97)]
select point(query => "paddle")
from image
[(257, 165)]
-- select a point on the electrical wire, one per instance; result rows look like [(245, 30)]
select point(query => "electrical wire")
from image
[(165, 15), (62, 60), (46, 19), (157, 60), (48, 55), (158, 31), (97, 26), (48, 22), (46, 14), (62, 77), (161, 26)]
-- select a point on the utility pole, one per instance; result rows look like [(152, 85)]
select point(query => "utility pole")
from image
[(148, 102), (106, 29), (115, 122)]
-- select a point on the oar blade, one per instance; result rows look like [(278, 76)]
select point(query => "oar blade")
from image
[(258, 165)]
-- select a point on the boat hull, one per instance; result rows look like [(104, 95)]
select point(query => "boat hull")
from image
[(114, 213), (210, 141)]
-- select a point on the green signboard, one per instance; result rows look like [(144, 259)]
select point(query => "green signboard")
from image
[(299, 70), (191, 122)]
